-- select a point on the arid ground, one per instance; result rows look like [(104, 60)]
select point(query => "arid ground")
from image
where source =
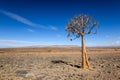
[(58, 63)]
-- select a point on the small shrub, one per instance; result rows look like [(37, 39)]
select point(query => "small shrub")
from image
[(49, 50)]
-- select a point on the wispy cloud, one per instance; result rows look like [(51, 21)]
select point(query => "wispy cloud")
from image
[(15, 41), (26, 21), (107, 36), (116, 43), (53, 28), (118, 37), (30, 30), (18, 18), (22, 43), (58, 35)]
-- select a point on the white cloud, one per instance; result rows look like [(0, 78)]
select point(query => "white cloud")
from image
[(26, 21), (116, 43), (53, 28), (118, 37), (14, 41), (107, 36), (58, 35), (112, 43), (30, 30), (18, 18)]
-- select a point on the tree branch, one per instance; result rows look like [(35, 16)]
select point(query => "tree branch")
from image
[(75, 30)]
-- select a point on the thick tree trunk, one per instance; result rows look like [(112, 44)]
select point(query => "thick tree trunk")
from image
[(85, 64)]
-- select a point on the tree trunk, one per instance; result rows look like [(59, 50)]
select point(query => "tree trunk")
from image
[(85, 64)]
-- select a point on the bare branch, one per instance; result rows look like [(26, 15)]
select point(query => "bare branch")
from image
[(75, 29), (81, 25)]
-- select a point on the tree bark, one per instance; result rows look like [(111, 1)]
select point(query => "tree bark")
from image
[(85, 64)]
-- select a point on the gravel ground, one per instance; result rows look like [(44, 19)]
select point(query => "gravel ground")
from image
[(51, 66)]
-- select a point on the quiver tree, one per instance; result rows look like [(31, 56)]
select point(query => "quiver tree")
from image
[(79, 26)]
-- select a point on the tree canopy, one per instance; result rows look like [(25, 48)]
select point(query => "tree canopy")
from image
[(81, 25)]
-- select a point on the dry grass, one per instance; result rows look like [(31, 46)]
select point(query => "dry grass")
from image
[(58, 63)]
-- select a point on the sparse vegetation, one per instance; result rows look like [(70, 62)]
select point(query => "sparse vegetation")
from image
[(61, 65), (49, 50)]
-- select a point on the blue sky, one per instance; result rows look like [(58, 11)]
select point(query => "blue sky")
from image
[(42, 22)]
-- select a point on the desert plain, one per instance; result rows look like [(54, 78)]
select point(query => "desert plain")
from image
[(59, 63)]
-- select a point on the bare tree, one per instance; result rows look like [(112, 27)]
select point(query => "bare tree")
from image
[(79, 26)]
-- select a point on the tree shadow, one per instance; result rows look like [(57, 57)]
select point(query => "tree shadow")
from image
[(64, 62)]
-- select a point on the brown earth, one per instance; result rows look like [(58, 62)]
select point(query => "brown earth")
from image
[(58, 63)]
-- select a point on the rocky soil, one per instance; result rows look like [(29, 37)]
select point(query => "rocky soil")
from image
[(57, 65)]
